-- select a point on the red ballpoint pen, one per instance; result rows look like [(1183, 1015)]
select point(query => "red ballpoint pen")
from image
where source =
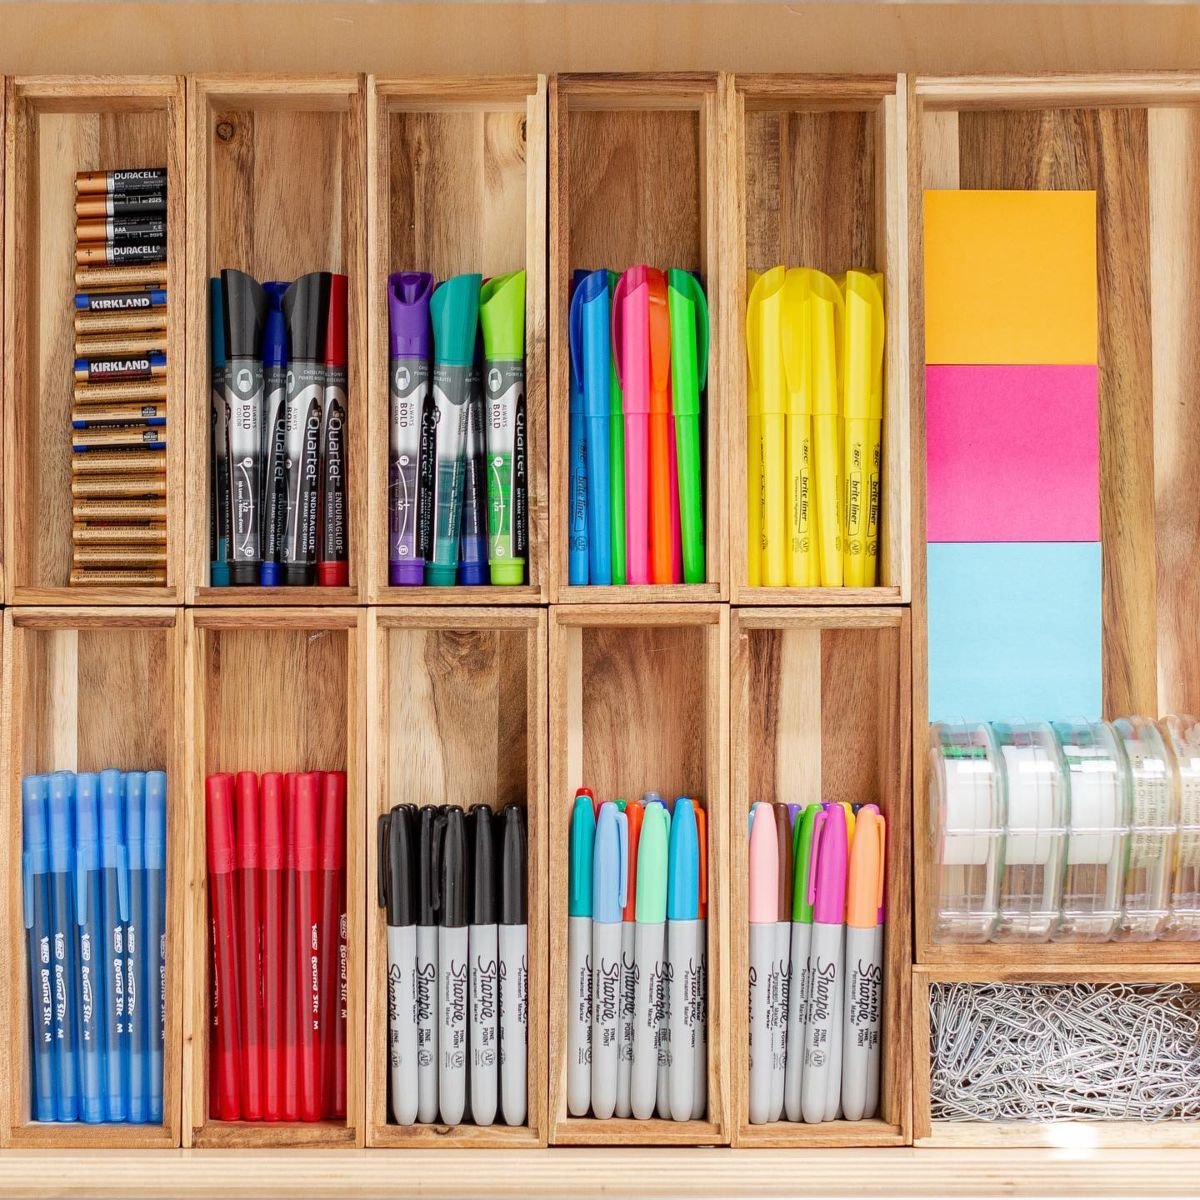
[(273, 846), (332, 940), (308, 951), (249, 946), (291, 981), (223, 1055)]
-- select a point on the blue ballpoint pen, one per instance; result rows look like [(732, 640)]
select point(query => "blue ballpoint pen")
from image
[(136, 991), (114, 866), (61, 817), (609, 894), (579, 949), (684, 953), (89, 889), (590, 344), (154, 998), (577, 499), (35, 878)]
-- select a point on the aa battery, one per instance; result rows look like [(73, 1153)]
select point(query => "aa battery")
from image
[(107, 487), (130, 463), (117, 255), (120, 204), (122, 231), (121, 557), (133, 436), (145, 179), (147, 342), (132, 300), (114, 511), (117, 368), (89, 416), (147, 391), (94, 279), (105, 577), (138, 321), (108, 535)]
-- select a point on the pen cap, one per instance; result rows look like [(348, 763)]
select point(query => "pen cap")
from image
[(216, 323), (306, 809), (862, 372), (502, 317), (275, 336), (513, 871), (848, 811), (60, 816), (753, 402), (575, 357), (864, 888), (634, 812), (451, 857), (590, 340), (483, 867), (610, 884), (244, 304), (764, 867), (333, 820), (652, 865), (218, 806), (631, 337), (764, 347), (660, 341), (683, 863), (431, 823), (689, 341), (336, 332), (273, 836), (796, 340), (454, 311), (112, 819), (616, 405), (409, 332), (397, 876), (579, 868), (802, 839), (34, 833), (783, 835), (156, 820), (306, 311), (826, 314), (246, 818), (135, 818), (827, 867)]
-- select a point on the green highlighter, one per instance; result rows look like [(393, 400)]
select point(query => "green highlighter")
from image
[(502, 318), (689, 370), (616, 457), (802, 918)]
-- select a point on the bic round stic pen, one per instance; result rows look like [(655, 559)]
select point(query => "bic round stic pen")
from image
[(222, 900), (272, 845), (308, 950), (35, 872), (249, 947), (88, 904), (136, 954), (156, 939), (332, 941)]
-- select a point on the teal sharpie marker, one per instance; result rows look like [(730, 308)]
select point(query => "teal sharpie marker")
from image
[(579, 953), (454, 310)]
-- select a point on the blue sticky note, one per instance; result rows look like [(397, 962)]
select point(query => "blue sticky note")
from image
[(1014, 631)]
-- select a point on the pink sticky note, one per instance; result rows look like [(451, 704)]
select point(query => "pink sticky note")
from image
[(1012, 454)]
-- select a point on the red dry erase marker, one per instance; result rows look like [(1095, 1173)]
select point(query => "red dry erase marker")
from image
[(249, 946), (308, 902), (273, 851), (223, 1055), (291, 1002), (332, 940)]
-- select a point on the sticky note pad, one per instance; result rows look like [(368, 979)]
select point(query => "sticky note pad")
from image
[(1012, 454), (1014, 631), (1010, 277)]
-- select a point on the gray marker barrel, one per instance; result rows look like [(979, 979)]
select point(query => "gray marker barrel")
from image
[(514, 1022), (833, 1082), (875, 1048), (683, 942), (628, 1017), (483, 948), (662, 1037), (579, 1015), (402, 1025), (783, 946), (425, 988), (649, 945), (606, 1013), (762, 967), (797, 1021), (825, 956), (860, 1029), (700, 1004), (452, 1004)]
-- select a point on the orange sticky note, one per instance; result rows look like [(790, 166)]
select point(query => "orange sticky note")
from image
[(1010, 277)]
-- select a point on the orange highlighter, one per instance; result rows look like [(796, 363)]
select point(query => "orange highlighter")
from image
[(661, 555)]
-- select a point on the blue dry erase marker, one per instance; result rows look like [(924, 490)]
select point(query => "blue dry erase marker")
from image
[(61, 817), (89, 890), (685, 951), (155, 996), (136, 991), (577, 500), (579, 949), (591, 311), (114, 868), (473, 542), (274, 433), (35, 879)]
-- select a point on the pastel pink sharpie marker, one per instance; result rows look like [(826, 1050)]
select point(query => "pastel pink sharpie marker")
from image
[(631, 347), (764, 913)]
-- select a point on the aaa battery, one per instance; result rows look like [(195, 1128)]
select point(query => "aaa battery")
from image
[(90, 415), (85, 577), (133, 436), (145, 179), (121, 231), (120, 204), (94, 279), (106, 488), (147, 342), (135, 321), (121, 556), (137, 509), (119, 256)]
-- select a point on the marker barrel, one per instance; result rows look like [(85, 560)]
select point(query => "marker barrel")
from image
[(41, 988), (579, 1016), (649, 945), (226, 1100), (428, 1058), (684, 945), (628, 1018), (483, 952), (700, 1005), (763, 962), (577, 505), (797, 1019), (402, 1029), (408, 398), (514, 1022), (606, 1016), (452, 1004), (507, 470), (783, 979), (825, 955), (91, 1015), (65, 982), (244, 390), (637, 497), (298, 552), (451, 392)]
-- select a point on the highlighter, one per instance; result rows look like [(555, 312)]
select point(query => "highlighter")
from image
[(472, 536), (590, 346), (754, 453), (245, 309), (274, 448), (577, 513), (863, 406), (502, 319), (764, 346), (689, 371), (454, 310), (661, 507), (631, 349), (333, 547), (409, 424), (616, 459), (826, 308), (218, 458), (803, 569)]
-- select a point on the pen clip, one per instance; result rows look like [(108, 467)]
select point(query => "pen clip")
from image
[(618, 324), (700, 307), (623, 855), (702, 840), (381, 850), (26, 890), (881, 826), (659, 336), (80, 890), (123, 882), (575, 336), (815, 854)]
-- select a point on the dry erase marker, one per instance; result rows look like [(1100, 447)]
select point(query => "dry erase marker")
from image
[(579, 950), (453, 969), (649, 958), (864, 968), (398, 897), (514, 966), (333, 550), (274, 433), (609, 891)]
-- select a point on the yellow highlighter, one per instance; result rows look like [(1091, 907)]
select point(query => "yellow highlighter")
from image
[(826, 311), (803, 568), (763, 324), (754, 457), (862, 379)]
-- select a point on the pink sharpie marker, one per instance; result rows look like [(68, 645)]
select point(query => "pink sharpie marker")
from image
[(631, 348)]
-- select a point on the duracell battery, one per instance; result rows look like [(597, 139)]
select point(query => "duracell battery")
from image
[(145, 179), (148, 391), (104, 577), (120, 556), (83, 534), (149, 341), (108, 488), (120, 255), (137, 320), (91, 415), (95, 279), (120, 368), (118, 463), (121, 204), (132, 436), (136, 509), (121, 231)]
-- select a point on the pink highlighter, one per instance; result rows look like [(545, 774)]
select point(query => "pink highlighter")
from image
[(631, 349)]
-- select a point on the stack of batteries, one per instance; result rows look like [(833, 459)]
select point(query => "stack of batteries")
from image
[(118, 418)]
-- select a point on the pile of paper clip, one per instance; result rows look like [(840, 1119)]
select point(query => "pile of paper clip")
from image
[(1064, 1052)]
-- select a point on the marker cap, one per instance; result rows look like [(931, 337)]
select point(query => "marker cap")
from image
[(244, 304), (272, 840), (610, 883), (683, 863), (802, 839), (764, 867), (246, 817), (156, 820), (397, 878), (483, 867), (306, 810), (827, 867), (333, 820), (502, 317), (218, 805), (702, 838), (409, 332), (306, 310), (60, 813), (135, 818), (513, 870), (452, 876), (431, 821), (575, 397), (764, 346), (582, 842), (336, 333), (87, 838), (652, 865), (472, 574), (634, 814), (783, 834), (454, 310), (864, 889), (216, 334)]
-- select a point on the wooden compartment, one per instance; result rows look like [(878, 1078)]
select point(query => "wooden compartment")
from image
[(458, 701), (1071, 132), (1078, 1137), (637, 166), (456, 173), (639, 699), (817, 179), (819, 702), (58, 125), (276, 188), (273, 690), (86, 689)]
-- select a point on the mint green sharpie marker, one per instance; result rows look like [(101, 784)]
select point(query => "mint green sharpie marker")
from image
[(616, 459), (454, 314), (502, 318)]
